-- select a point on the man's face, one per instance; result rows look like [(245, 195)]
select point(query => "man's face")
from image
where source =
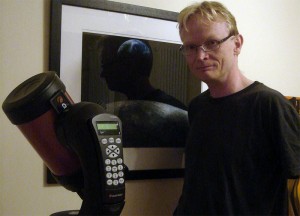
[(210, 66)]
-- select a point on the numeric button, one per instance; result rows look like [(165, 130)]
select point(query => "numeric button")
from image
[(108, 175), (109, 182), (121, 180), (120, 160), (107, 161)]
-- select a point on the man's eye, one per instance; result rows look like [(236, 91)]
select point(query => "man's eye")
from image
[(211, 43), (190, 47)]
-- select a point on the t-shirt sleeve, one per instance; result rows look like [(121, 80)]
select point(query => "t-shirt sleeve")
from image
[(286, 132)]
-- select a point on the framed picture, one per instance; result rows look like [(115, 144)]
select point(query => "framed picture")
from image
[(154, 127)]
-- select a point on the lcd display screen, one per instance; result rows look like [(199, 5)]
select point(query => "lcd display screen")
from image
[(108, 128)]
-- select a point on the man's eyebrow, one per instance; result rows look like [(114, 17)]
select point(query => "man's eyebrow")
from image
[(210, 38)]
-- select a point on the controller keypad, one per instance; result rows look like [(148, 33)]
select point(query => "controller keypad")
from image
[(113, 163)]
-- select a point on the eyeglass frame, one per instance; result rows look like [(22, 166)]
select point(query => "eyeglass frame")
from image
[(195, 48)]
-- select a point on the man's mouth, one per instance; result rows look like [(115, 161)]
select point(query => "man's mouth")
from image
[(205, 67)]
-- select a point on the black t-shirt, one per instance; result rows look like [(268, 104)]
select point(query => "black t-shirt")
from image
[(240, 151)]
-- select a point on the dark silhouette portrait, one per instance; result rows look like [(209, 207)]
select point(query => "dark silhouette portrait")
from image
[(150, 117), (126, 67)]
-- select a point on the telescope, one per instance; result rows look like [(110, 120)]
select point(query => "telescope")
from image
[(80, 143)]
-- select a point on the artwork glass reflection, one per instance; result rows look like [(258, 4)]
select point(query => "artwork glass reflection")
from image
[(145, 83), (153, 132)]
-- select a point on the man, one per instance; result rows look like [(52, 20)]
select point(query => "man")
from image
[(244, 138)]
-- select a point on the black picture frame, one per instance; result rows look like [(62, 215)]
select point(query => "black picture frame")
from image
[(56, 15), (55, 56)]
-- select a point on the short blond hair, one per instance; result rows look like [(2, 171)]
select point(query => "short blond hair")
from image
[(208, 10)]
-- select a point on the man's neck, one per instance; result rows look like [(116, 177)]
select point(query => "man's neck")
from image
[(229, 87)]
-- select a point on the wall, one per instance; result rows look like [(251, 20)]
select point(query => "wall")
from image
[(270, 54)]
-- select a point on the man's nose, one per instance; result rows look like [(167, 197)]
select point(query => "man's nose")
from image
[(201, 53)]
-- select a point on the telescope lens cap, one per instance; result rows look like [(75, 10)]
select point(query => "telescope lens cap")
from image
[(32, 97)]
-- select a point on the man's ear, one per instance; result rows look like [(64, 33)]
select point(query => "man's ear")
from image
[(238, 41)]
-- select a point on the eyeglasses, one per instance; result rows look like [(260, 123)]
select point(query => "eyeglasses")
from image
[(207, 46)]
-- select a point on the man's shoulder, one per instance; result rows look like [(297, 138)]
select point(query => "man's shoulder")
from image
[(264, 93)]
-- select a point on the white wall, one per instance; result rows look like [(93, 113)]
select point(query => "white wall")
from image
[(270, 54)]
